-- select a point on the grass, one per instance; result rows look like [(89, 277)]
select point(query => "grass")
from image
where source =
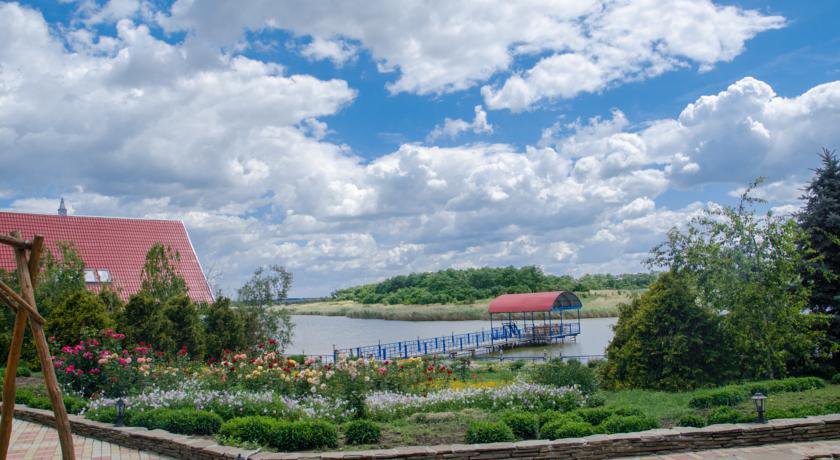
[(596, 304)]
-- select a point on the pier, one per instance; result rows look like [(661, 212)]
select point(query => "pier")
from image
[(523, 320)]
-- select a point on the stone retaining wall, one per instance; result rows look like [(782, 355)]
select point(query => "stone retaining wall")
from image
[(591, 447)]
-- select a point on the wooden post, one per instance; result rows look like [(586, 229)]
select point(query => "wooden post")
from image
[(27, 270)]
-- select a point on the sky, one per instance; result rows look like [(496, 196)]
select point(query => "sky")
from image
[(356, 140)]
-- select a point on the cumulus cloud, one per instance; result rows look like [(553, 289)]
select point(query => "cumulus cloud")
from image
[(583, 46), (451, 128), (132, 125), (337, 51)]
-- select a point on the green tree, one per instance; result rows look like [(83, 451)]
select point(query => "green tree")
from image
[(665, 340), (224, 328), (62, 276), (111, 299), (820, 219), (185, 326), (259, 300), (748, 269), (144, 320), (79, 312), (160, 277)]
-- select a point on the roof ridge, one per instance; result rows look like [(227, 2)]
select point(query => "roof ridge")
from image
[(56, 216)]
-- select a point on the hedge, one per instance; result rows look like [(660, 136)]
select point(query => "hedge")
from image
[(559, 429), (280, 434), (362, 432), (628, 424), (523, 424), (733, 394), (182, 421), (484, 432)]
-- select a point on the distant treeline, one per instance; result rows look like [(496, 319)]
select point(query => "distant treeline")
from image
[(469, 285)]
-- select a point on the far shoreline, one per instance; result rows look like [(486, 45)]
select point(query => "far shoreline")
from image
[(596, 304)]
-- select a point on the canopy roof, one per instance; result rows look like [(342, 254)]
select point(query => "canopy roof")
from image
[(537, 301)]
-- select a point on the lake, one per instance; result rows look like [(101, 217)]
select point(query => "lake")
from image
[(316, 335)]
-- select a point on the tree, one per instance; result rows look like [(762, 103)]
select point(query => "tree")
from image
[(258, 300), (160, 277), (144, 320), (820, 219), (61, 277), (79, 312), (665, 340), (186, 329), (748, 269), (224, 328)]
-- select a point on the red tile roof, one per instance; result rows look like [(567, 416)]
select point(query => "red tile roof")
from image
[(116, 244)]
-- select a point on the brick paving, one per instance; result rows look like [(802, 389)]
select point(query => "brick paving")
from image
[(32, 441), (799, 450)]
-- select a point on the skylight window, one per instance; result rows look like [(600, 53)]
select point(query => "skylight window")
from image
[(104, 275), (90, 276)]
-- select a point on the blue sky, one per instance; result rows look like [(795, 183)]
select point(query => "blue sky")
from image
[(355, 141)]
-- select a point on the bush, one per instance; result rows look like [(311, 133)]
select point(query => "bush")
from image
[(552, 415), (595, 400), (835, 379), (77, 313), (24, 396), (562, 374), (484, 432), (182, 421), (726, 396), (726, 415), (256, 429), (23, 371), (559, 429), (523, 424), (594, 415), (692, 420), (628, 423), (72, 404), (362, 432), (315, 434)]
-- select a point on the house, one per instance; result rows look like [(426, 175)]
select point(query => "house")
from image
[(113, 249)]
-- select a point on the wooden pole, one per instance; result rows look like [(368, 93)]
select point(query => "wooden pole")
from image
[(34, 259), (62, 423), (9, 382), (14, 241), (11, 298)]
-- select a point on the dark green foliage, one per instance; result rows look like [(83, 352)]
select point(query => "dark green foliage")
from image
[(484, 432), (362, 432), (733, 394), (23, 371), (72, 404), (224, 328), (144, 320), (835, 379), (820, 220), (185, 326), (726, 396), (727, 415), (112, 301), (595, 400), (267, 288), (565, 373), (594, 415), (160, 278), (105, 415), (256, 429), (469, 285), (664, 340), (79, 312), (560, 429), (627, 423), (24, 396), (692, 420), (280, 434), (62, 276), (553, 415), (182, 421), (524, 425)]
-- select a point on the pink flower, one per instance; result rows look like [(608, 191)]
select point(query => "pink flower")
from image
[(87, 355), (122, 361)]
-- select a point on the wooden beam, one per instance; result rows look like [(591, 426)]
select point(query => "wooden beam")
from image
[(11, 298), (62, 422), (8, 410), (14, 241), (35, 259)]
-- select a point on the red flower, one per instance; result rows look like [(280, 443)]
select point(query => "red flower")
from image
[(448, 372)]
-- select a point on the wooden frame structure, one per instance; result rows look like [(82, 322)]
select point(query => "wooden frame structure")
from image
[(27, 256)]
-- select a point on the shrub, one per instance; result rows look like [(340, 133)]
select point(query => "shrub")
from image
[(104, 414), (726, 415), (72, 404), (595, 400), (594, 415), (362, 432), (628, 423), (726, 396), (77, 313), (692, 420), (182, 421), (256, 429), (835, 379), (315, 434), (524, 425), (484, 432), (24, 396), (23, 371), (552, 416), (566, 429), (562, 374)]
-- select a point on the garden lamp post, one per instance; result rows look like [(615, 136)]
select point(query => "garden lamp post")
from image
[(120, 420), (759, 399)]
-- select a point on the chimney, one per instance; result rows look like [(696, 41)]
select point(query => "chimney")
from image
[(62, 210)]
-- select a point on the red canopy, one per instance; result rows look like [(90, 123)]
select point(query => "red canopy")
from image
[(537, 301)]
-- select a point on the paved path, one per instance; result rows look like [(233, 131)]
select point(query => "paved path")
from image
[(32, 441), (800, 450)]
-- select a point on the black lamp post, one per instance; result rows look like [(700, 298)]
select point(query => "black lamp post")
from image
[(759, 399), (120, 420)]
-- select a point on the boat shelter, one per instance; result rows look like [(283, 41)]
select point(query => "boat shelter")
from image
[(539, 317)]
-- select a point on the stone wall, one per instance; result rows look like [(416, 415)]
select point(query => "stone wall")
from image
[(591, 447)]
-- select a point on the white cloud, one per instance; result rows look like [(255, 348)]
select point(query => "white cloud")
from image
[(453, 127), (584, 46)]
